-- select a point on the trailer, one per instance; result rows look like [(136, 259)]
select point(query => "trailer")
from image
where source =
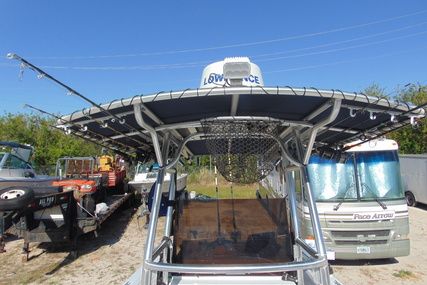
[(414, 178), (78, 203)]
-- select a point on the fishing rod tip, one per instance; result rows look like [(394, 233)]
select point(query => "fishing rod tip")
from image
[(11, 56)]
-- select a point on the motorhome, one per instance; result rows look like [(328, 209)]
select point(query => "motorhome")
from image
[(247, 127), (360, 200)]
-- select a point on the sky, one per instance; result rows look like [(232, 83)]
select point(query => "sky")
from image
[(108, 50)]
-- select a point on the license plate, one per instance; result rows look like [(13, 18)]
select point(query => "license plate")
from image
[(363, 249)]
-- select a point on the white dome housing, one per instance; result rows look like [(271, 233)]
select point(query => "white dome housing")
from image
[(232, 71)]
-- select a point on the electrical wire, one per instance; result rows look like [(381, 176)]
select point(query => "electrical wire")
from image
[(340, 42), (244, 44), (203, 63)]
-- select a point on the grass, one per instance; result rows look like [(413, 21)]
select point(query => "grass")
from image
[(403, 274), (203, 182), (239, 191)]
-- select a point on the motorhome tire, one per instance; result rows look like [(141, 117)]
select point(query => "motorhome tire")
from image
[(15, 198), (410, 199)]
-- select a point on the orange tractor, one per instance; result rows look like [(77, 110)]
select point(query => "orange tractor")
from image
[(92, 180)]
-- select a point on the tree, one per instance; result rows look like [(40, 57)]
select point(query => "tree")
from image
[(49, 142), (411, 139), (375, 90)]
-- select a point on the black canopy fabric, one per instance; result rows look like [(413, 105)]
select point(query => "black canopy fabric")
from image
[(15, 144), (115, 125)]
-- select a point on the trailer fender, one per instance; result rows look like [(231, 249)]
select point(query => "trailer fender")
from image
[(410, 199), (15, 198)]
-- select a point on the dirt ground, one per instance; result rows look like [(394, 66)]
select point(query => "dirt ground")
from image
[(117, 251), (401, 270), (111, 257)]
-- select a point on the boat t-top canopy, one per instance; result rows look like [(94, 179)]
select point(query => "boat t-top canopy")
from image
[(324, 118), (232, 90)]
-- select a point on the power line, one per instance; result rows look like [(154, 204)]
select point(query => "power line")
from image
[(239, 45), (341, 42), (342, 62), (345, 48), (203, 63)]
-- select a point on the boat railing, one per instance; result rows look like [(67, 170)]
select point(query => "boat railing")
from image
[(316, 262)]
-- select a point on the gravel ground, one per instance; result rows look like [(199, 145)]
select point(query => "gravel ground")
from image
[(117, 252), (401, 270)]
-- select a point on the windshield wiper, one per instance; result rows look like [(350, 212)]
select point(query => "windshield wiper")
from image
[(377, 199), (336, 207)]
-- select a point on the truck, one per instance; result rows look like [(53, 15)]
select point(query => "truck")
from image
[(87, 192), (414, 178), (360, 200)]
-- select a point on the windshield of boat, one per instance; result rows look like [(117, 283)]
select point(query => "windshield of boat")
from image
[(148, 167), (24, 154), (2, 158), (8, 160), (364, 176)]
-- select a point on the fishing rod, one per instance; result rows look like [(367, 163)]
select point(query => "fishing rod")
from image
[(72, 91), (394, 118), (217, 203), (88, 139), (235, 234), (371, 138), (385, 124), (79, 126), (352, 115), (105, 125)]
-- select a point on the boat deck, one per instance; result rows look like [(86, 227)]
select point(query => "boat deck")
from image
[(226, 231)]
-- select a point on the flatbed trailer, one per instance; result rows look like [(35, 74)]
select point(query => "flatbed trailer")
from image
[(57, 216)]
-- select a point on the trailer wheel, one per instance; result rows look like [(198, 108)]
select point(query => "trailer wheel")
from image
[(410, 199), (15, 198)]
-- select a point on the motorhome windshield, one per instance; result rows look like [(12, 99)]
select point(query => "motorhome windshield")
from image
[(364, 176)]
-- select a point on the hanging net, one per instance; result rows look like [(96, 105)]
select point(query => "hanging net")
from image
[(244, 149)]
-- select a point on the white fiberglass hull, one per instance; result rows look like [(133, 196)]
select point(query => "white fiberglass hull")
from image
[(144, 185)]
